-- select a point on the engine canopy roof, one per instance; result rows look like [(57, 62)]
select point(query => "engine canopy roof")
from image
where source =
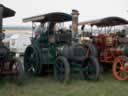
[(50, 17), (106, 22), (7, 12)]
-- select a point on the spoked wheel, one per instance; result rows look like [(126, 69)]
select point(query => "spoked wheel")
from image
[(62, 69), (90, 49), (31, 62), (91, 68), (120, 68)]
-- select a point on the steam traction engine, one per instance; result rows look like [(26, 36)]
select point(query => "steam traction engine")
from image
[(9, 64), (53, 49), (107, 44), (112, 48), (111, 52)]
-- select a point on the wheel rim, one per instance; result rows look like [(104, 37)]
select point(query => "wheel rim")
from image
[(120, 68), (92, 70), (91, 49), (60, 70), (31, 61)]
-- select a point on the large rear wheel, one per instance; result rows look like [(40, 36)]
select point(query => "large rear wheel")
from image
[(32, 62), (62, 69), (90, 49), (120, 68), (91, 68)]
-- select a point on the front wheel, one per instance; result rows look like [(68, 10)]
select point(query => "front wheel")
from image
[(91, 68), (120, 68), (62, 69)]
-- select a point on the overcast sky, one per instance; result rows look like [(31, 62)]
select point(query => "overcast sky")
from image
[(89, 9)]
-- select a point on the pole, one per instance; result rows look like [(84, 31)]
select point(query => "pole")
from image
[(1, 17)]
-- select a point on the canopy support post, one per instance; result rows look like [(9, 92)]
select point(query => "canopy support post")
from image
[(1, 18)]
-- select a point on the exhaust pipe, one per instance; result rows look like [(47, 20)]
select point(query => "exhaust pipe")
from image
[(75, 15)]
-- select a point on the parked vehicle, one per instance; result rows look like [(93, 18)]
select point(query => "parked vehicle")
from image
[(112, 46), (18, 43), (54, 47), (10, 64)]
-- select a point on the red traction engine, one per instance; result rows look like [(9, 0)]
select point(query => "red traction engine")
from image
[(112, 48), (110, 52), (107, 45)]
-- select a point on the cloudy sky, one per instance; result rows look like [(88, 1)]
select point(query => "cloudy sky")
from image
[(89, 9)]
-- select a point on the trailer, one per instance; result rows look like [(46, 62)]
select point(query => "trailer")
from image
[(18, 43)]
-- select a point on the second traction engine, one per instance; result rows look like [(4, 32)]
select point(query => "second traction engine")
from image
[(109, 47)]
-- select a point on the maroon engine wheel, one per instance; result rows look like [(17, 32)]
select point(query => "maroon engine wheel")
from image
[(120, 68)]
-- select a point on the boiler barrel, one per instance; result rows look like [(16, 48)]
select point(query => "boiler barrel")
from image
[(74, 52)]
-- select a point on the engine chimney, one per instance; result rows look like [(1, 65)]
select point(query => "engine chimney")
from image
[(75, 15)]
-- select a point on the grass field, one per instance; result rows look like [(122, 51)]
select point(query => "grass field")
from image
[(39, 86)]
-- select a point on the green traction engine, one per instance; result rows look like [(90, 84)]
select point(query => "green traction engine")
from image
[(56, 49)]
